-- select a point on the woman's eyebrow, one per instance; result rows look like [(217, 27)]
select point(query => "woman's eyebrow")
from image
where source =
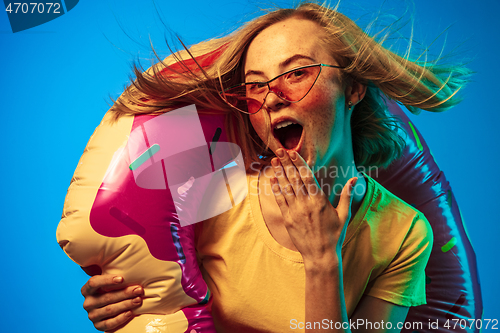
[(295, 58), (283, 64), (254, 73)]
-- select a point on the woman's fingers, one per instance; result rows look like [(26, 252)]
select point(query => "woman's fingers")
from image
[(279, 197), (99, 283), (114, 314), (293, 172), (109, 302), (286, 188), (100, 301), (343, 208), (112, 323), (310, 185)]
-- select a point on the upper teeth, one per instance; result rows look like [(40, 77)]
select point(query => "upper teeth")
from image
[(284, 124)]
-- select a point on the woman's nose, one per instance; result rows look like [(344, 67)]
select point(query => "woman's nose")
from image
[(273, 102)]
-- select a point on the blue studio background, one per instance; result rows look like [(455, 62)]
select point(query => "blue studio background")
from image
[(56, 82)]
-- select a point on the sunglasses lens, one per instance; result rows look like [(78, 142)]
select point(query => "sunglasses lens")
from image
[(290, 86), (295, 85), (239, 99)]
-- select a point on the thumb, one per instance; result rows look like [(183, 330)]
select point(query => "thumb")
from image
[(343, 208)]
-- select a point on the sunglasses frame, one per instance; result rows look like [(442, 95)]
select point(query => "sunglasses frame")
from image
[(277, 93)]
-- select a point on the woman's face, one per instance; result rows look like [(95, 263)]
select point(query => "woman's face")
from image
[(323, 126)]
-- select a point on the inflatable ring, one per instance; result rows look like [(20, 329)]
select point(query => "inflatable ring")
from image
[(452, 282), (118, 219), (121, 217)]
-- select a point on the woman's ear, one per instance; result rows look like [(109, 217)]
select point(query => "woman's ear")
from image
[(355, 92)]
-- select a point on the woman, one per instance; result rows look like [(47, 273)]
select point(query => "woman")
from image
[(307, 83)]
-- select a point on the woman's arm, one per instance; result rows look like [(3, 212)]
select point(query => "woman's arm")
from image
[(372, 310), (325, 295), (109, 301), (328, 281), (318, 231)]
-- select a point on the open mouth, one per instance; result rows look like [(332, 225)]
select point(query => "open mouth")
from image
[(288, 133)]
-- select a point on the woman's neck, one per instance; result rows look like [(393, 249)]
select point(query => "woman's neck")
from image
[(333, 179)]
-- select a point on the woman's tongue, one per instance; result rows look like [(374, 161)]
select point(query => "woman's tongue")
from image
[(290, 136)]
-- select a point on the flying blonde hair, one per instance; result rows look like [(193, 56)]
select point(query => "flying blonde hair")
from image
[(376, 142)]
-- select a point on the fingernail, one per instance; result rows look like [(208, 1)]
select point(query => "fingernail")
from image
[(138, 291), (117, 279), (280, 152), (137, 300), (293, 155), (275, 162), (353, 182), (128, 314)]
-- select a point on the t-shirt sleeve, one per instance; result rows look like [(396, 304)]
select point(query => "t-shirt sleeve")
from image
[(403, 281)]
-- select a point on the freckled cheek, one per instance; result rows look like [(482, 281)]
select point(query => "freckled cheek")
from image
[(320, 113), (258, 123), (323, 133), (321, 98)]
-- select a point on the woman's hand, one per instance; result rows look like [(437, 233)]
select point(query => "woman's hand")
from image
[(109, 301), (316, 228)]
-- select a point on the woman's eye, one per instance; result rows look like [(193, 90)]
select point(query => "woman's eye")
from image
[(297, 75), (256, 87)]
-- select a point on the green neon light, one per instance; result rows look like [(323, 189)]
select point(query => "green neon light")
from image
[(416, 136), (207, 297), (447, 247), (144, 157)]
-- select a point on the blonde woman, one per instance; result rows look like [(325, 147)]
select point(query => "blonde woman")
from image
[(308, 248)]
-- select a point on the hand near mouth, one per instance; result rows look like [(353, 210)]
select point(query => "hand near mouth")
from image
[(316, 228)]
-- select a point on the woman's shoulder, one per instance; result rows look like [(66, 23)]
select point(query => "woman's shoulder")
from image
[(390, 231), (387, 214), (385, 202)]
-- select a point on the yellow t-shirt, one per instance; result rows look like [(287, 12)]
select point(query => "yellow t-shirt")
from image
[(259, 285)]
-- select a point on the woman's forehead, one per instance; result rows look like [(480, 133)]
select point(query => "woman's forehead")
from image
[(277, 46)]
